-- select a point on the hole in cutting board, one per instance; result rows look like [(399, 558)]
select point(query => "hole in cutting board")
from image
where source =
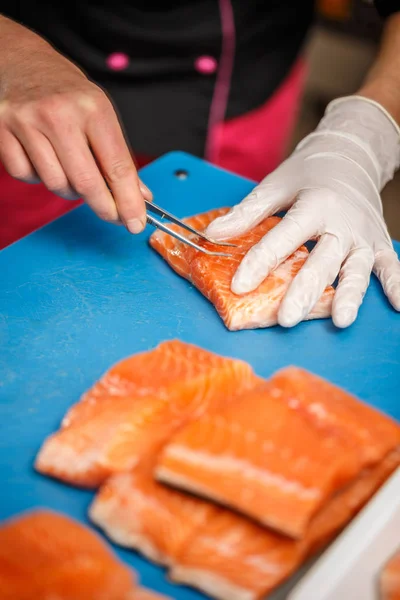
[(181, 174)]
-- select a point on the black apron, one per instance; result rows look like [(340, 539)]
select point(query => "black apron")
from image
[(165, 52)]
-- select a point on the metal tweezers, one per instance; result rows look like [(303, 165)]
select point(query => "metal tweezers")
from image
[(151, 207)]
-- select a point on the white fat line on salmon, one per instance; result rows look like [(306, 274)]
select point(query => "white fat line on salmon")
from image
[(228, 548), (56, 457), (221, 464)]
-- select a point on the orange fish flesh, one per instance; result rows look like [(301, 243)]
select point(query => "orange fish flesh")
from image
[(135, 408), (218, 551), (44, 556), (212, 275), (232, 558), (266, 456), (137, 512)]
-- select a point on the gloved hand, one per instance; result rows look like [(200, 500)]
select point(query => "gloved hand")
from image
[(331, 185)]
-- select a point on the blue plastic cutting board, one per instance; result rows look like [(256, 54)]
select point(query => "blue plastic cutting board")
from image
[(79, 295)]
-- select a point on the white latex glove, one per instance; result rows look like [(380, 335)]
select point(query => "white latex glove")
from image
[(331, 185)]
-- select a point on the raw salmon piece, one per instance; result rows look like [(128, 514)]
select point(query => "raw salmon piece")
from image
[(263, 458), (137, 512), (213, 275), (346, 503), (134, 409), (390, 579), (232, 558), (47, 556), (334, 411), (260, 458)]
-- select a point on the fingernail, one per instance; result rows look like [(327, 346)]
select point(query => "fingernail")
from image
[(147, 194), (135, 225)]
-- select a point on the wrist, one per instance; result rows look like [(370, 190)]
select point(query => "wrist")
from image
[(387, 97), (361, 129)]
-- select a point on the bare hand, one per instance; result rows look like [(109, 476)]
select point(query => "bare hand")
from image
[(60, 128)]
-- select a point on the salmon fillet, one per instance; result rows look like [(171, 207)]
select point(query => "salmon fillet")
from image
[(137, 512), (47, 556), (334, 411), (135, 408), (232, 558), (213, 549), (390, 579), (213, 275), (263, 458)]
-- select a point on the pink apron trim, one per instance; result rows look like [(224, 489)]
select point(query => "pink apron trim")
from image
[(222, 86), (255, 143)]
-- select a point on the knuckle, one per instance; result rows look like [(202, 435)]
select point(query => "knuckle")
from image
[(85, 184), (3, 107), (51, 109), (109, 215), (56, 184), (3, 126), (55, 107), (330, 199), (369, 255), (16, 118), (94, 101), (254, 196), (118, 171), (291, 228)]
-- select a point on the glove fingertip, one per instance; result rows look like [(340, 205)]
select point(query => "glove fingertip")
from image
[(395, 300), (240, 287), (289, 316), (287, 322), (344, 318)]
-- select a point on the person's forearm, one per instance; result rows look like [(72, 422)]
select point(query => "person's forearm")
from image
[(382, 83), (16, 43), (14, 35)]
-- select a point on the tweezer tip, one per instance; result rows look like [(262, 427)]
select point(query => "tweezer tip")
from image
[(216, 243), (223, 254)]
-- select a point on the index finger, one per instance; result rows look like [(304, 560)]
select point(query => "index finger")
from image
[(111, 151)]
